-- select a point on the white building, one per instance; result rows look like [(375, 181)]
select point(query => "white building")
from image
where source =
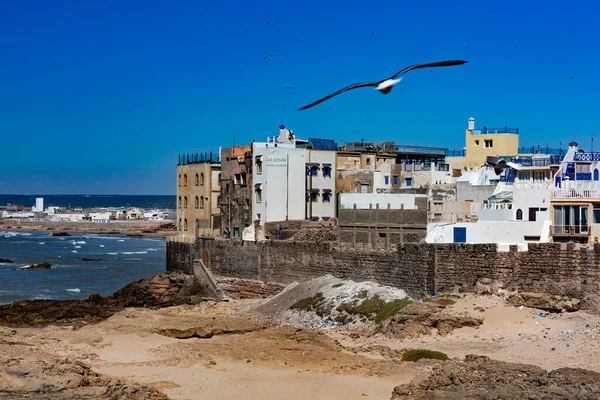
[(291, 181), (517, 212)]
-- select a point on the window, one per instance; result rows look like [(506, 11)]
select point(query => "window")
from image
[(197, 224), (570, 220), (179, 179), (368, 161), (314, 170), (185, 202), (197, 181), (477, 143), (243, 179), (179, 205), (326, 197), (488, 143), (185, 224), (532, 213), (236, 179), (258, 216), (314, 196), (538, 176), (327, 171), (258, 195), (258, 166), (227, 188), (236, 231), (364, 188), (219, 181), (218, 200), (596, 211), (395, 179), (202, 179), (185, 180), (179, 225), (525, 175), (408, 181), (202, 202), (386, 180), (197, 202), (519, 214)]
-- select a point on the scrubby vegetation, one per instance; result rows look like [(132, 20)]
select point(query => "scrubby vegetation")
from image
[(417, 354), (374, 307), (316, 304)]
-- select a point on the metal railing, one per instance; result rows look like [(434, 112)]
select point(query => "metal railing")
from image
[(196, 158), (587, 156), (571, 230), (486, 130), (576, 193)]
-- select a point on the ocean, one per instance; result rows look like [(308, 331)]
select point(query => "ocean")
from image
[(82, 264), (92, 201)]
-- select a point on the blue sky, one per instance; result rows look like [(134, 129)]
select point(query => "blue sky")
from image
[(100, 97)]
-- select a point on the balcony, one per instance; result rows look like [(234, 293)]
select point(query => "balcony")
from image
[(571, 230), (576, 194)]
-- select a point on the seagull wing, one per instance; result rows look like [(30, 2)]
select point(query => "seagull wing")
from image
[(448, 63), (355, 86)]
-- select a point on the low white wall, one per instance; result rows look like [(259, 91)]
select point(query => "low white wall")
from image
[(506, 232)]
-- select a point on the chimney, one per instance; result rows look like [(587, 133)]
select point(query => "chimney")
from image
[(471, 123)]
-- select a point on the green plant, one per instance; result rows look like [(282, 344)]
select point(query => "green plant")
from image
[(417, 354), (308, 303), (374, 307), (445, 302)]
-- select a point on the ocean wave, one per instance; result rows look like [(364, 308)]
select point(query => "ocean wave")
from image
[(128, 253), (8, 234), (101, 245), (81, 242), (75, 290), (77, 247), (121, 240), (74, 251), (41, 243)]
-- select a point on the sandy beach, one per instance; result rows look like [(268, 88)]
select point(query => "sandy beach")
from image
[(226, 350)]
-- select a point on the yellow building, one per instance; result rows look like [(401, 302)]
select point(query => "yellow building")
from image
[(484, 142), (198, 193)]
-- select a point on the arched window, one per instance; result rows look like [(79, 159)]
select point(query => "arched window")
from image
[(202, 179), (197, 202), (219, 178), (185, 180), (197, 180), (179, 225), (179, 205), (197, 224), (185, 224), (179, 180), (185, 202), (201, 202), (218, 200), (519, 214)]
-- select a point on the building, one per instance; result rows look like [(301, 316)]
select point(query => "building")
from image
[(293, 179), (130, 213), (236, 190), (198, 191), (484, 142), (575, 197), (382, 220)]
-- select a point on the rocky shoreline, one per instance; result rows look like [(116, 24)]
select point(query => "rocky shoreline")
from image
[(164, 338), (142, 229)]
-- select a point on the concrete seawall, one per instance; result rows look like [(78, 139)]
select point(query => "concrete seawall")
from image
[(420, 269)]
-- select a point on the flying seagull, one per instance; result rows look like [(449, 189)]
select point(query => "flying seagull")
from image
[(267, 57), (268, 22), (385, 86)]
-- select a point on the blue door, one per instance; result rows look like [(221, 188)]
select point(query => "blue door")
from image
[(460, 234), (596, 174), (557, 182)]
